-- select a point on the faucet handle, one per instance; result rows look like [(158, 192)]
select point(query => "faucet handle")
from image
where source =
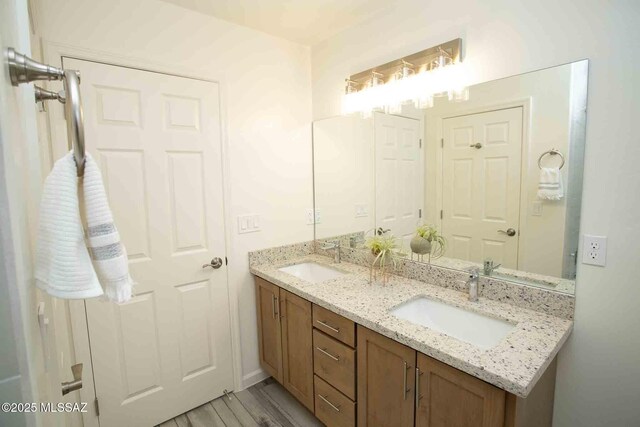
[(474, 272)]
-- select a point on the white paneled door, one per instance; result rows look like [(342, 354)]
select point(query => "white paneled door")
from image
[(157, 140), (481, 185), (398, 175)]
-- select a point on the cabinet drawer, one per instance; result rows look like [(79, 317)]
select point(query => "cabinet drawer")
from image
[(335, 363), (332, 407), (334, 325)]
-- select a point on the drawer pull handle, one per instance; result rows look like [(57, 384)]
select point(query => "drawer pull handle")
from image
[(336, 408), (336, 330), (326, 353)]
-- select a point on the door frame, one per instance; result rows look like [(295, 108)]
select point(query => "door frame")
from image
[(53, 53), (433, 135)]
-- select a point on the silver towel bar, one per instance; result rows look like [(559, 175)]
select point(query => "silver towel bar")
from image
[(552, 152), (23, 69)]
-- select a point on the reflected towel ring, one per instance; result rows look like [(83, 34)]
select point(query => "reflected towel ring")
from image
[(552, 152)]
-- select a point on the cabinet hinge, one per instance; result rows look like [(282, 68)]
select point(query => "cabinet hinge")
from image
[(97, 405)]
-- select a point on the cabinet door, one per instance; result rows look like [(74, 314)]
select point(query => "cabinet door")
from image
[(269, 334), (448, 397), (385, 381), (297, 349)]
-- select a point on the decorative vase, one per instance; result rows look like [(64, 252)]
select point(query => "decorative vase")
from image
[(419, 245)]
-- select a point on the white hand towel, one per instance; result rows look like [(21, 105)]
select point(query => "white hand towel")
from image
[(550, 185), (64, 266), (107, 252)]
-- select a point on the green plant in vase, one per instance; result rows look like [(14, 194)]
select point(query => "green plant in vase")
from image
[(383, 249), (428, 240)]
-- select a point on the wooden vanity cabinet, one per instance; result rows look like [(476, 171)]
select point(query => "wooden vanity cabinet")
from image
[(285, 340), (448, 397), (362, 375), (386, 381), (297, 347), (269, 332)]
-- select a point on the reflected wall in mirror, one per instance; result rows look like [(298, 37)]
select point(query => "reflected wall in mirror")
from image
[(499, 176)]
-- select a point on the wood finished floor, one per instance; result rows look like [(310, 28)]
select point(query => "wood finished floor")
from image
[(266, 404)]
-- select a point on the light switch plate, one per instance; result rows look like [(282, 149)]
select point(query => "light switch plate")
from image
[(361, 211), (536, 208), (248, 223), (594, 250), (313, 218)]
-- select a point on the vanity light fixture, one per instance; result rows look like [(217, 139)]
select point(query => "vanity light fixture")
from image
[(417, 78)]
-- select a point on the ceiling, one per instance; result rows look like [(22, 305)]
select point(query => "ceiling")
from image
[(302, 21)]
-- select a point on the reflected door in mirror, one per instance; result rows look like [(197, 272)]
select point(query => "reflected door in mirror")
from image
[(398, 175), (481, 185)]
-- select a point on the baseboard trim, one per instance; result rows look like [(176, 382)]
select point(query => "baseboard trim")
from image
[(253, 378)]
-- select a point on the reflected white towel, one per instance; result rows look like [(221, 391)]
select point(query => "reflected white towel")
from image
[(67, 266), (550, 185)]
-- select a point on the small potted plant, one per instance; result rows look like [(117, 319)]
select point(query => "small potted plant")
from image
[(383, 253), (428, 240)]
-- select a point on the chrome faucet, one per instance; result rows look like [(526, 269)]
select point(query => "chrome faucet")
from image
[(490, 267), (334, 246), (355, 240), (474, 275)]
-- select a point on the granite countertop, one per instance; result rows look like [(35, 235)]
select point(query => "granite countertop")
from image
[(514, 365)]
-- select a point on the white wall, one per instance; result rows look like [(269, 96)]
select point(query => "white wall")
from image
[(343, 175), (598, 372), (21, 362), (546, 125), (266, 84)]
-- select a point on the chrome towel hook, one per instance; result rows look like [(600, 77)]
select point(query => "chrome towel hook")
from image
[(23, 69), (552, 152)]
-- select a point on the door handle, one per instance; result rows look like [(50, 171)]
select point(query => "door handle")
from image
[(215, 263), (509, 232), (76, 384), (404, 381), (274, 300), (477, 145)]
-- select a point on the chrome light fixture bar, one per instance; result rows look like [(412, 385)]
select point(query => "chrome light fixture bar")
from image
[(416, 78), (420, 61)]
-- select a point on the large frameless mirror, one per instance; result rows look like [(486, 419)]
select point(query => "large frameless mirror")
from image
[(494, 181)]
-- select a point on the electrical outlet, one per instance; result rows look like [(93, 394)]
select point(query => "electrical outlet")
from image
[(594, 250)]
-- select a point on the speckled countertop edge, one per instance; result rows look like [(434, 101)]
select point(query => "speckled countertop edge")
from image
[(514, 365)]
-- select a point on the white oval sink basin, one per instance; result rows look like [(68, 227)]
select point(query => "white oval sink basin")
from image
[(312, 272), (482, 331)]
